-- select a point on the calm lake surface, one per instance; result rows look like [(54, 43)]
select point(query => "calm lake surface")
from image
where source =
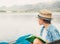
[(14, 25)]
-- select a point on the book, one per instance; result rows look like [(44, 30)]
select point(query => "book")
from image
[(32, 38)]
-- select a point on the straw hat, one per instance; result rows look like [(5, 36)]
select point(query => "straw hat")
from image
[(45, 14)]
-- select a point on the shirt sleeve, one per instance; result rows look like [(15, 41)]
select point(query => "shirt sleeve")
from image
[(53, 35)]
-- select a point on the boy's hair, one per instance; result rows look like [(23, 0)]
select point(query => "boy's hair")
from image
[(47, 21)]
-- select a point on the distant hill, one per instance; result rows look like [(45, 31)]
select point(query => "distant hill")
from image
[(55, 6)]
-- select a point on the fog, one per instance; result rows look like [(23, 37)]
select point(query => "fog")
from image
[(14, 25)]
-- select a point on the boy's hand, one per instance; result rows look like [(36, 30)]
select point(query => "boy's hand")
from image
[(37, 41)]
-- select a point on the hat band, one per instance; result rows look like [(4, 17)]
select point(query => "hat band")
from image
[(44, 17)]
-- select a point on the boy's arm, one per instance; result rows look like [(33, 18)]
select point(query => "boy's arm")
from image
[(53, 35), (37, 41)]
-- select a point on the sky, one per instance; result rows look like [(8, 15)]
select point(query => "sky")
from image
[(21, 2)]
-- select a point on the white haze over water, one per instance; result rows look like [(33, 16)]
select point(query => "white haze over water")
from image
[(14, 25)]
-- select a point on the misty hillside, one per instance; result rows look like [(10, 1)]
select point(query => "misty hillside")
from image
[(29, 8)]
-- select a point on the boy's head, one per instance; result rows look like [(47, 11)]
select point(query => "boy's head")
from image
[(44, 16)]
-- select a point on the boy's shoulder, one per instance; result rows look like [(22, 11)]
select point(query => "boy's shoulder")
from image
[(52, 28)]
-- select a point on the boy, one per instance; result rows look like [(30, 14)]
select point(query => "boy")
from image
[(48, 32)]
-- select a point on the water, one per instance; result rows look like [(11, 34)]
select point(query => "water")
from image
[(14, 25)]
